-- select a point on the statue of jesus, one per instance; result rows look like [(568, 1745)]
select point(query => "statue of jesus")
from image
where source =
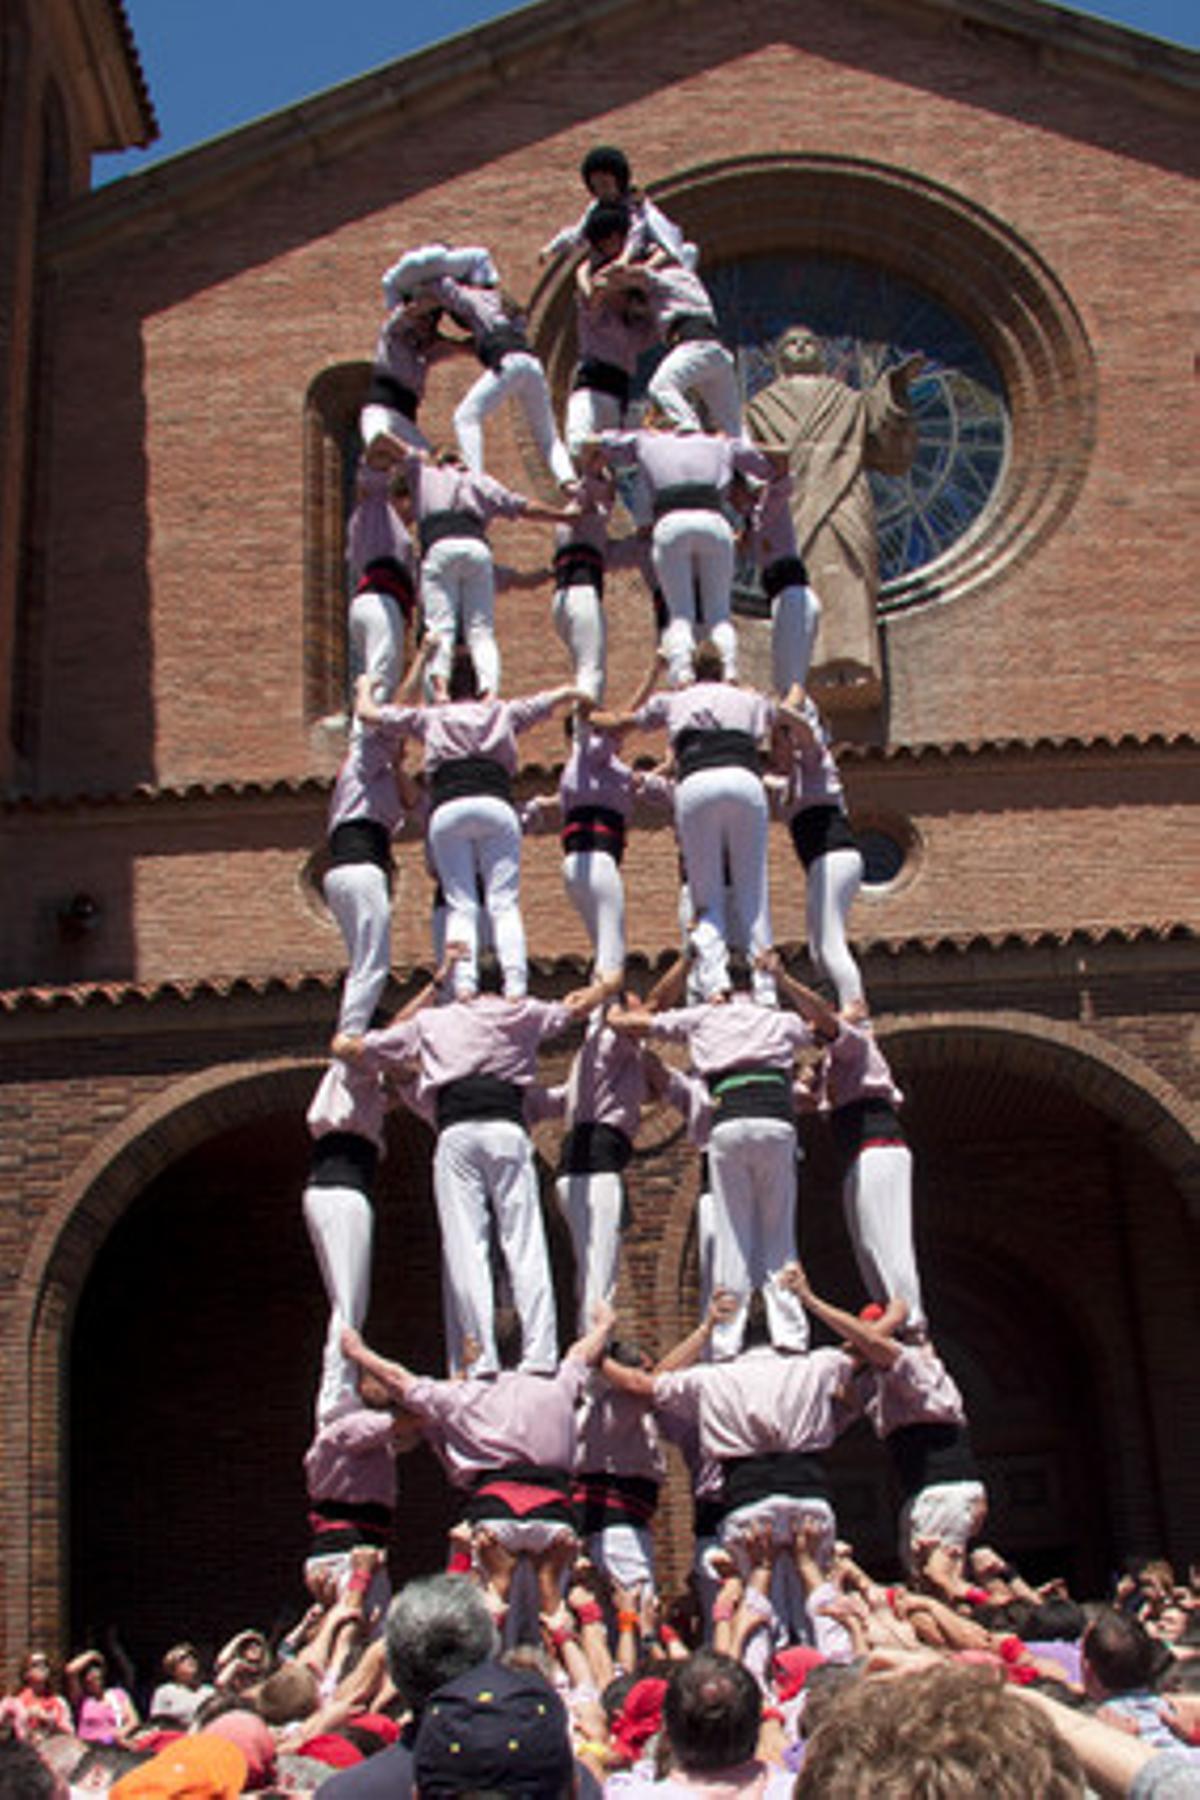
[(831, 435)]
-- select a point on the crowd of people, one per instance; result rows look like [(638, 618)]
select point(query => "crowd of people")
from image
[(545, 1659)]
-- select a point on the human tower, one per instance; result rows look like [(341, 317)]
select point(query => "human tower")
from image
[(542, 1445)]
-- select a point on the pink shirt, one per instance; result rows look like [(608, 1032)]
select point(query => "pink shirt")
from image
[(853, 1067), (618, 1436), (375, 529), (773, 533), (477, 309), (467, 727), (667, 458), (814, 779), (736, 1034), (594, 775), (348, 1098), (366, 782), (918, 1389), (446, 487), (475, 1426), (676, 291), (352, 1458), (489, 1034), (708, 706), (763, 1402), (398, 350), (607, 331), (607, 1083)]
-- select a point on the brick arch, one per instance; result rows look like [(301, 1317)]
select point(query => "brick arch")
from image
[(966, 258), (1118, 1084), (179, 1118)]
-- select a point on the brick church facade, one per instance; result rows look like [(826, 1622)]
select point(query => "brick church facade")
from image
[(183, 355)]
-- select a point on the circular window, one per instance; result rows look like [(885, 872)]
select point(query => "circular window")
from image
[(867, 320), (880, 261), (883, 856)]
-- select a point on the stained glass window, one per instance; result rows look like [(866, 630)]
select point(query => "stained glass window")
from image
[(868, 319)]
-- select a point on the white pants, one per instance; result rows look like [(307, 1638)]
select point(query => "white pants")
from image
[(376, 418), (377, 1598), (521, 377), (795, 616), (357, 896), (458, 588), (340, 1225), (702, 370), (752, 1165), (831, 883), (787, 1517), (590, 411), (578, 615), (377, 643), (722, 813), (592, 1206), (625, 1553), (594, 887), (877, 1202), (479, 834), (949, 1512), (481, 1163), (692, 553)]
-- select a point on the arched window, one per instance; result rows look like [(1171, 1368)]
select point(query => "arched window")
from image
[(331, 449)]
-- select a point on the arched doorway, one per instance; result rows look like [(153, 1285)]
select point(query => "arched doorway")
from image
[(1055, 1185)]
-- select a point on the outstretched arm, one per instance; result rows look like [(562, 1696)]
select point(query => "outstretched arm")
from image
[(688, 1350), (870, 1338), (809, 1005), (590, 1347), (394, 1376), (627, 718)]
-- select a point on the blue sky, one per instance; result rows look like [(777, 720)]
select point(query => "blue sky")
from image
[(215, 64)]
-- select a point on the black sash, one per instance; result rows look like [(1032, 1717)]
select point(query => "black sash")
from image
[(690, 328), (461, 776), (479, 1097), (593, 1148), (339, 1525), (360, 841), (594, 828), (785, 571), (687, 496), (865, 1121), (450, 524), (486, 1502), (343, 1159), (602, 1499), (926, 1455), (816, 829), (385, 390), (796, 1474), (494, 345), (603, 377), (579, 565), (752, 1094), (715, 747)]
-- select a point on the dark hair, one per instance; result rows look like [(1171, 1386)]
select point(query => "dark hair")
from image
[(707, 662), (23, 1774), (1119, 1651), (711, 1712), (606, 159), (463, 683), (758, 1325), (605, 219), (509, 1336), (1057, 1617)]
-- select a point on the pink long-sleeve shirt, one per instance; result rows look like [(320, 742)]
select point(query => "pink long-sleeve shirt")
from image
[(918, 1389), (467, 727), (763, 1402), (853, 1067), (670, 458), (736, 1034), (487, 1035), (352, 1458), (476, 1426), (707, 706), (375, 529), (348, 1098)]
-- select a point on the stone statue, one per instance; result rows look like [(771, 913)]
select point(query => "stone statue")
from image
[(831, 434)]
